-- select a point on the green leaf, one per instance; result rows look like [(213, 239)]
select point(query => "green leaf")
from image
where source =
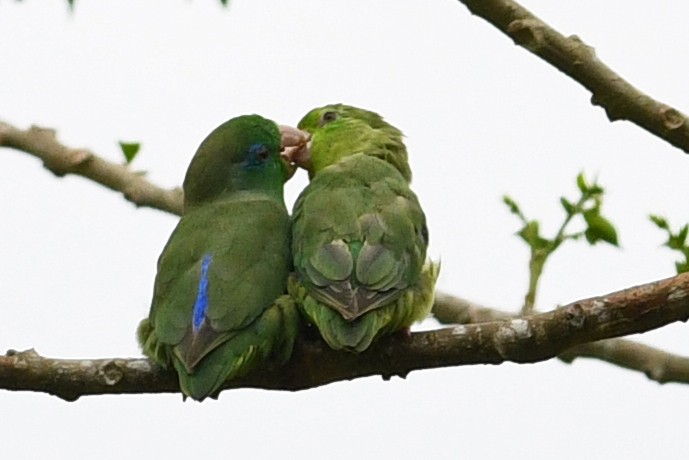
[(599, 229), (530, 233), (682, 235), (514, 208), (673, 242), (661, 222), (581, 183), (568, 205), (682, 267), (595, 190), (591, 214), (129, 149)]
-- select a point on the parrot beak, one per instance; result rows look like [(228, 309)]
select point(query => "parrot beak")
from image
[(295, 146)]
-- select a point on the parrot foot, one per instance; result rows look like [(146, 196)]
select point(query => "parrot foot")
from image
[(405, 334)]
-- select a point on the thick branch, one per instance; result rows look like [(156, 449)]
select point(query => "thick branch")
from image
[(522, 340), (658, 365), (619, 98), (62, 160), (140, 376)]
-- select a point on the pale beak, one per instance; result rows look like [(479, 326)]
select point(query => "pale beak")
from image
[(294, 146)]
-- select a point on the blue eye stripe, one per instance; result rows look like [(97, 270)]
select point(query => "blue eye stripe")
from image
[(256, 148), (201, 305)]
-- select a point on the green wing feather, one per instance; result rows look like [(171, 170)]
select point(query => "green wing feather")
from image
[(359, 243), (359, 235), (413, 305), (248, 271), (271, 334)]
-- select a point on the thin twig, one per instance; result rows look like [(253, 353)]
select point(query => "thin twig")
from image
[(658, 365), (62, 160)]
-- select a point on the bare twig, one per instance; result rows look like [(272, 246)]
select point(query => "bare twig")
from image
[(658, 365), (62, 160), (522, 340), (619, 99), (454, 310)]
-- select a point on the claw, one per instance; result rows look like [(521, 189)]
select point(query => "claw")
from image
[(405, 333)]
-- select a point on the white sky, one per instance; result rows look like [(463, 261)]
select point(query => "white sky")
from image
[(482, 118)]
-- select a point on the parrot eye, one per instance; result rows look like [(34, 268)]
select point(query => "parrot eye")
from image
[(258, 154), (328, 117), (262, 154)]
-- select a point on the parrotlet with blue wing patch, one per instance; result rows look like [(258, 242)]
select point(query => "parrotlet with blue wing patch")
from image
[(219, 307), (359, 235)]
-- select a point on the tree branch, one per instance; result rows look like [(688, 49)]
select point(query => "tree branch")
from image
[(140, 374), (619, 99), (62, 160), (521, 340), (656, 364)]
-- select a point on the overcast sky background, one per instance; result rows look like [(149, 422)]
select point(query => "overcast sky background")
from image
[(482, 118)]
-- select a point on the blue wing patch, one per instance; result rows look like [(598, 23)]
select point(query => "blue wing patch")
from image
[(201, 305)]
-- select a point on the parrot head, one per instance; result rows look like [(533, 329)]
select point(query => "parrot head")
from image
[(337, 131), (240, 154)]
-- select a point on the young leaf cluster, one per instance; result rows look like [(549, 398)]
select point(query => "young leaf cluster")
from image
[(677, 241), (597, 229)]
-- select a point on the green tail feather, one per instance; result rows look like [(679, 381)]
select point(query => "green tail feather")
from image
[(231, 359), (356, 336), (271, 335), (340, 334)]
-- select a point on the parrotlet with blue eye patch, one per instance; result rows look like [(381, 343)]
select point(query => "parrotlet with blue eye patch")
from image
[(219, 307)]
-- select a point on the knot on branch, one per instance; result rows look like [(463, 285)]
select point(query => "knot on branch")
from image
[(43, 133), (111, 373), (21, 359), (672, 119), (609, 103), (584, 52), (69, 162), (528, 33), (575, 316)]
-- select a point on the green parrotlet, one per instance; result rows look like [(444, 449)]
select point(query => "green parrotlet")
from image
[(219, 307), (359, 235)]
